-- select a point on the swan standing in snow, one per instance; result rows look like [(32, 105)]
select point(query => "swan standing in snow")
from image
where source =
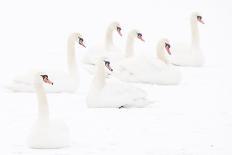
[(46, 133), (190, 55), (65, 82), (113, 94), (147, 70), (108, 49)]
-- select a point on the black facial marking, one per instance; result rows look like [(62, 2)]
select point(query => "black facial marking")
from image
[(119, 28), (107, 63), (167, 45), (139, 34), (199, 17), (44, 76), (81, 40)]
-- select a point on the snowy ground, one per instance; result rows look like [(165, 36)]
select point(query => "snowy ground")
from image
[(194, 118)]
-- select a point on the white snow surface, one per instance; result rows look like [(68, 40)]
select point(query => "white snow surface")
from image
[(193, 118)]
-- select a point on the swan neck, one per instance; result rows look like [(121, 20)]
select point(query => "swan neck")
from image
[(195, 34), (161, 54), (129, 47), (43, 110), (109, 38), (99, 79), (71, 56)]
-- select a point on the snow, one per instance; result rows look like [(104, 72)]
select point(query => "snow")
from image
[(193, 118)]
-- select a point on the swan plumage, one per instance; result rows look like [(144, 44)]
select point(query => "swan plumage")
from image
[(143, 69)]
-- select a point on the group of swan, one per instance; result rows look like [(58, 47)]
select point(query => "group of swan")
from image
[(47, 133), (147, 70), (112, 92)]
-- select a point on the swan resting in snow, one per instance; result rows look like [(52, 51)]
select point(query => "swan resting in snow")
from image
[(65, 82), (143, 69), (184, 55), (107, 49), (46, 133), (113, 94)]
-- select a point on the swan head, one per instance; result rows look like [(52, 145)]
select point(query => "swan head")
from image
[(40, 77), (45, 79), (116, 26), (196, 16), (136, 34), (165, 44), (78, 37), (107, 64)]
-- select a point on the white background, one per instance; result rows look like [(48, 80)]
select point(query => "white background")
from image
[(193, 118)]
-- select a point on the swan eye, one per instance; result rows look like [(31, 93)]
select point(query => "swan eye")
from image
[(199, 17), (107, 63), (44, 76), (119, 28), (81, 39), (139, 35), (167, 45)]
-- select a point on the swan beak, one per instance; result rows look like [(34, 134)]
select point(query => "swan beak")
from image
[(201, 21), (108, 66), (82, 44), (168, 50), (46, 80), (119, 32), (141, 38)]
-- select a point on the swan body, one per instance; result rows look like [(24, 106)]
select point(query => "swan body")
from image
[(46, 133), (147, 69), (184, 55), (113, 93), (108, 49), (65, 81)]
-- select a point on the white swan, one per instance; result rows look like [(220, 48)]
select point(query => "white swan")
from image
[(113, 94), (108, 49), (46, 133), (147, 69), (65, 82), (184, 55)]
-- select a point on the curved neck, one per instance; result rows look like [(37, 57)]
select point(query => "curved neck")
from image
[(161, 54), (109, 38), (195, 33), (129, 47), (43, 111), (99, 79), (71, 56)]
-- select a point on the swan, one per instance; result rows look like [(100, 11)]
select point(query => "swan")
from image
[(113, 93), (65, 82), (145, 69), (184, 55), (108, 49), (46, 133)]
